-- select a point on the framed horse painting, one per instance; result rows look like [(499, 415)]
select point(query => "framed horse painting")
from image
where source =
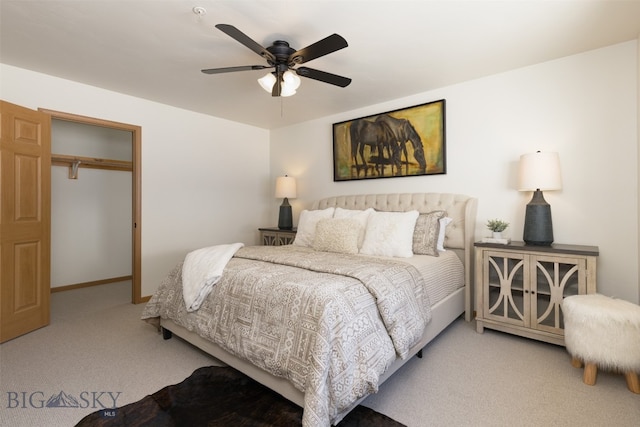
[(405, 142)]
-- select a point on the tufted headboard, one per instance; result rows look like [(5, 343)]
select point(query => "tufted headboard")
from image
[(460, 232)]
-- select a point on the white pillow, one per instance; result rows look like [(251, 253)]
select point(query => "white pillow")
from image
[(443, 228), (337, 235), (360, 216), (390, 234), (307, 225)]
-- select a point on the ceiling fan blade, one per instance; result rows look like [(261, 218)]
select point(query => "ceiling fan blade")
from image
[(323, 76), (232, 69), (316, 50), (241, 37)]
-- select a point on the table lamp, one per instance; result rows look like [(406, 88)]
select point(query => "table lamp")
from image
[(537, 172), (285, 189)]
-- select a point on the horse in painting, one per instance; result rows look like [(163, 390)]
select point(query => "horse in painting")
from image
[(378, 137), (403, 131)]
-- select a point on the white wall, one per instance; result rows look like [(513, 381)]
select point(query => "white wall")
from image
[(90, 226), (205, 180), (585, 107)]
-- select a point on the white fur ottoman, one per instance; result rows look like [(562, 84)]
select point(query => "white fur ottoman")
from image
[(603, 332)]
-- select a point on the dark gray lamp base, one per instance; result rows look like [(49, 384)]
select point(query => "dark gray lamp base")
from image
[(285, 219), (538, 228)]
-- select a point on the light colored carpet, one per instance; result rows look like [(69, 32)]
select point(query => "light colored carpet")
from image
[(96, 347)]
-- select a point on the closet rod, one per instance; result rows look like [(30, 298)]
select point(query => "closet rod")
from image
[(75, 162)]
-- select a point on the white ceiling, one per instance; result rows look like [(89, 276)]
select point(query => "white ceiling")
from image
[(156, 49)]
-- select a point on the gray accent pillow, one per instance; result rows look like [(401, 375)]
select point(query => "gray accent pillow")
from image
[(425, 235)]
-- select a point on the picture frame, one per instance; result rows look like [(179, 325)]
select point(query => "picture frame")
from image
[(409, 141)]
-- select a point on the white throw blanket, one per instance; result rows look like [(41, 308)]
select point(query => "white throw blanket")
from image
[(202, 269)]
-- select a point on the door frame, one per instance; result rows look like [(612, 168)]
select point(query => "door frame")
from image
[(136, 152)]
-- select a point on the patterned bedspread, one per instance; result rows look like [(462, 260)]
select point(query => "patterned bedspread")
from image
[(329, 323)]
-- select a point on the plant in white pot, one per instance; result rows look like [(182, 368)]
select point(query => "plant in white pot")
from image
[(497, 226)]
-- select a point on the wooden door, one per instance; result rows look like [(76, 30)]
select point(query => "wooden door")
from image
[(505, 288), (553, 278), (25, 220)]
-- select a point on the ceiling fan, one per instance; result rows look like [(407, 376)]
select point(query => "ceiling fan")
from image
[(282, 58)]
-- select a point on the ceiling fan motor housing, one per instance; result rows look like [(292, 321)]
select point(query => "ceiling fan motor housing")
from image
[(282, 51)]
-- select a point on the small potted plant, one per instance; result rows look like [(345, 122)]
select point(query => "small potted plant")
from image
[(497, 226)]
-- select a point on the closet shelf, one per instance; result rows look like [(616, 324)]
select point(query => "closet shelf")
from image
[(75, 162)]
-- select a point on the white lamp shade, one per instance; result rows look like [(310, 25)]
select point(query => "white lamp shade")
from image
[(287, 91), (285, 187), (291, 79), (539, 171), (267, 81)]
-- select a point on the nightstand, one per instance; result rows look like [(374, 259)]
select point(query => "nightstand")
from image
[(273, 236), (519, 288)]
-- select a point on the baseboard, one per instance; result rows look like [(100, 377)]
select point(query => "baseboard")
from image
[(89, 284)]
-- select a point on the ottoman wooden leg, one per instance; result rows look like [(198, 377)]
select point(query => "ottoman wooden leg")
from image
[(590, 374), (632, 382), (576, 363)]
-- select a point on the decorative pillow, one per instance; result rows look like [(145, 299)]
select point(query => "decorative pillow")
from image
[(443, 229), (390, 234), (360, 216), (425, 235), (337, 235), (307, 225)]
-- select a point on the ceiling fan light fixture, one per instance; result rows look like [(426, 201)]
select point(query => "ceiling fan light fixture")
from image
[(287, 90), (291, 79), (267, 81), (290, 83)]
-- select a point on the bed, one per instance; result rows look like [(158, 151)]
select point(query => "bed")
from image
[(349, 320)]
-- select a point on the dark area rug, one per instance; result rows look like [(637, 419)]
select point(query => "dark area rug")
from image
[(219, 396)]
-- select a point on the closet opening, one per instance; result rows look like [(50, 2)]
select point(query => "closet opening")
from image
[(95, 203)]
